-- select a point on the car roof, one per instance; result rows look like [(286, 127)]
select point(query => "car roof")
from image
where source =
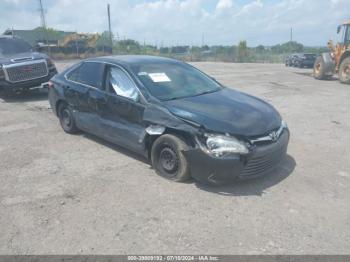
[(6, 36), (10, 37), (133, 59)]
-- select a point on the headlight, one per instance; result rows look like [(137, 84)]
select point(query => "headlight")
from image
[(221, 146), (284, 124)]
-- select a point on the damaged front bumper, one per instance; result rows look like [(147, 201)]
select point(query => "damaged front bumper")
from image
[(261, 160)]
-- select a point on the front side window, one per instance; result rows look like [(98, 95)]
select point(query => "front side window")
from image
[(11, 46), (120, 84), (169, 80), (88, 73), (347, 36)]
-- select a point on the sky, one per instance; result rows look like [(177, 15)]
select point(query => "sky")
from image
[(188, 22)]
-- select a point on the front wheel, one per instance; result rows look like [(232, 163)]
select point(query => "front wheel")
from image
[(168, 159), (344, 71), (319, 69), (67, 120)]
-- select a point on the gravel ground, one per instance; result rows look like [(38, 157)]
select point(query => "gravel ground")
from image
[(64, 194)]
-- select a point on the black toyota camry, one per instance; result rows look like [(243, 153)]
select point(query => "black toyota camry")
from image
[(184, 121)]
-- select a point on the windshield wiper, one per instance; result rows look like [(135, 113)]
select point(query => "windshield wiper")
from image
[(207, 92), (199, 94)]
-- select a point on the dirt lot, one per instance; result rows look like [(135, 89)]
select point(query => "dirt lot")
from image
[(77, 194)]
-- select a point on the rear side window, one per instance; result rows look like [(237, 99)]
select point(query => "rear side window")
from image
[(88, 73)]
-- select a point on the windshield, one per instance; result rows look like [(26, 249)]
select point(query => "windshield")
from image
[(173, 80), (310, 56), (11, 46)]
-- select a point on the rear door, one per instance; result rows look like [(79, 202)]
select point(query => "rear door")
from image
[(85, 91), (122, 117)]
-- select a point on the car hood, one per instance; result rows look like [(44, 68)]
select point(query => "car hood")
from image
[(227, 111), (20, 57)]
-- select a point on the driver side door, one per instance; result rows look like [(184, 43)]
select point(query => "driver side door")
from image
[(122, 119)]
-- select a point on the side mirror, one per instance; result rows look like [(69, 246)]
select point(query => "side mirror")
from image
[(339, 29), (37, 48)]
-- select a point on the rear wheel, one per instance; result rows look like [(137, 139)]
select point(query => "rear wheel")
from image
[(319, 69), (168, 159), (66, 117), (344, 71)]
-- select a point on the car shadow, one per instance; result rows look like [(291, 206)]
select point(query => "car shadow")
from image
[(117, 148), (240, 188), (255, 187), (28, 96), (311, 74)]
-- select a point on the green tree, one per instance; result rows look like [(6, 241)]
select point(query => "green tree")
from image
[(242, 51), (260, 49), (128, 46), (104, 40)]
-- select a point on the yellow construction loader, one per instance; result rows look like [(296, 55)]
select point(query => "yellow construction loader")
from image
[(83, 40), (337, 61)]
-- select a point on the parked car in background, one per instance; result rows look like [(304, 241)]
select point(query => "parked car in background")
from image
[(304, 60), (184, 121), (293, 58), (21, 68), (288, 61)]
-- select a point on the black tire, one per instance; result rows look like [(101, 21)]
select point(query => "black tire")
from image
[(66, 118), (168, 160), (319, 69), (344, 71)]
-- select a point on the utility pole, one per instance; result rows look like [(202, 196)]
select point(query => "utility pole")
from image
[(291, 34), (109, 26), (42, 15), (43, 23)]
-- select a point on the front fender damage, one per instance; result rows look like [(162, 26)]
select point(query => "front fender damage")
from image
[(157, 120), (203, 167)]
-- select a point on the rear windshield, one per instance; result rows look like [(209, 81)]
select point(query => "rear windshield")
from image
[(310, 55), (11, 46)]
